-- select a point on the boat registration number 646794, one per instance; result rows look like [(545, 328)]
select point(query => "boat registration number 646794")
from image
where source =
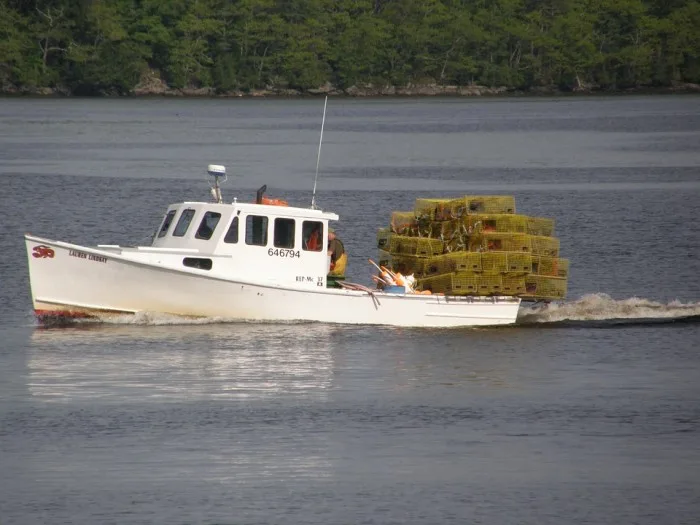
[(282, 252)]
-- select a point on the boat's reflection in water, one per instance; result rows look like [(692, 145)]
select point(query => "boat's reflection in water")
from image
[(134, 363)]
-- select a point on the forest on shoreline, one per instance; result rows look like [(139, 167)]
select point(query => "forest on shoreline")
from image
[(353, 47)]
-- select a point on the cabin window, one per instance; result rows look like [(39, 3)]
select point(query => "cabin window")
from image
[(183, 223), (256, 230), (284, 233), (208, 225), (197, 262), (312, 235), (232, 233), (166, 223)]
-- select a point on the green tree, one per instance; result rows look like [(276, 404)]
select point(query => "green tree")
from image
[(20, 65), (255, 32), (105, 46), (681, 37), (106, 59), (190, 55), (52, 28), (358, 47)]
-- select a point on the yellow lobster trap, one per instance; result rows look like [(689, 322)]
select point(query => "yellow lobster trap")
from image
[(520, 242), (550, 266), (407, 264), (478, 204), (432, 209), (453, 262), (462, 283), (540, 287), (424, 246), (548, 246), (540, 226), (383, 238), (446, 209), (475, 245), (501, 222), (403, 223), (470, 283)]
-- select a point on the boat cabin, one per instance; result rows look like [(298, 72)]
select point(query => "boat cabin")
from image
[(265, 242), (275, 244)]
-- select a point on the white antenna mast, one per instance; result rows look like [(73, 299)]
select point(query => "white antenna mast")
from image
[(318, 160)]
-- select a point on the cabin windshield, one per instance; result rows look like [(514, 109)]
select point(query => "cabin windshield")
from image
[(231, 236), (208, 225), (166, 223), (183, 223)]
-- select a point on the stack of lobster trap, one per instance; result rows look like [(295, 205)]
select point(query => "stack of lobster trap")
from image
[(475, 245)]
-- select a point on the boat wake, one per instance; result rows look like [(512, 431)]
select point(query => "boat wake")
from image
[(148, 319), (591, 311), (602, 310)]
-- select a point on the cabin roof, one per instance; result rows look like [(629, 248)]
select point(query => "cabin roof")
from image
[(268, 209)]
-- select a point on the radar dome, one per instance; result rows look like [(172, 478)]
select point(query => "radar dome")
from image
[(216, 169)]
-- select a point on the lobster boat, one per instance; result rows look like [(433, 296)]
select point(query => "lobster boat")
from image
[(235, 261)]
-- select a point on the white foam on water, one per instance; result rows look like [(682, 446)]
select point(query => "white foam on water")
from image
[(602, 307), (161, 319)]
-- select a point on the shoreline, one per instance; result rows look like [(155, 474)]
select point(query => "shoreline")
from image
[(159, 89)]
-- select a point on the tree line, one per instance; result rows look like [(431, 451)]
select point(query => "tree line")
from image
[(106, 46)]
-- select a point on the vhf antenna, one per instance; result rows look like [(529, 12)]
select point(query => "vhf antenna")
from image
[(318, 159)]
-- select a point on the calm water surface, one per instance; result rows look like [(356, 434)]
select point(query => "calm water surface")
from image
[(587, 412)]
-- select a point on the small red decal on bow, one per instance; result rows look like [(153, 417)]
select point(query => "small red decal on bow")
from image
[(42, 252)]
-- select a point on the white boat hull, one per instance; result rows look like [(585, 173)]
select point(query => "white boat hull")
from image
[(77, 281)]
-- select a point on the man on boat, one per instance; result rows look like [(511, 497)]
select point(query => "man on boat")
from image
[(339, 259)]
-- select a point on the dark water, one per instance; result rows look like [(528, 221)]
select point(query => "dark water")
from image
[(588, 412)]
